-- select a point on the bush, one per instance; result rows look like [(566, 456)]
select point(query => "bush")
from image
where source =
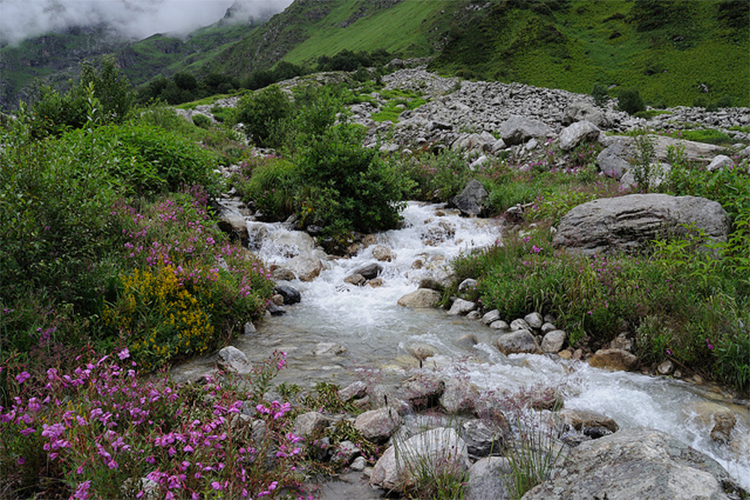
[(261, 113), (270, 183), (600, 94), (630, 101), (201, 121)]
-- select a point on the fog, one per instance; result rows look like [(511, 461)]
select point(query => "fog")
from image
[(21, 19)]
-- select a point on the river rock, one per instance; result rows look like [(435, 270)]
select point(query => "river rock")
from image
[(461, 307), (613, 359), (519, 324), (519, 341), (235, 226), (282, 274), (540, 398), (291, 295), (581, 420), (500, 325), (467, 285), (632, 222), (581, 110), (553, 341), (721, 419), (548, 327), (292, 243), (666, 367), (483, 437), (274, 310), (487, 479), (355, 390), (378, 425), (519, 129), (436, 448), (422, 298), (577, 133), (720, 162), (534, 320), (232, 360), (491, 316), (355, 279), (305, 267), (327, 349), (248, 328), (459, 397), (376, 283), (310, 423), (381, 253), (423, 390), (422, 351), (470, 201), (635, 463), (369, 271)]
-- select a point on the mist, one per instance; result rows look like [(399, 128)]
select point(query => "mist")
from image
[(21, 19)]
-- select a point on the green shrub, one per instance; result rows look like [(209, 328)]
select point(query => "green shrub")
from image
[(270, 183), (630, 101), (201, 121), (600, 94), (261, 113)]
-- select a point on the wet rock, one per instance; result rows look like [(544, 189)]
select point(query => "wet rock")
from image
[(534, 320), (355, 279), (470, 201), (666, 367), (483, 437), (381, 253), (459, 397), (636, 463), (235, 226), (577, 133), (282, 274), (487, 479), (369, 271), (290, 294), (461, 307), (232, 360), (441, 447), (274, 310), (519, 341), (423, 391), (587, 419), (721, 419), (491, 317), (277, 299), (306, 268), (474, 315), (631, 222), (377, 282), (421, 298), (553, 341), (541, 398), (613, 359), (355, 390), (327, 349), (378, 425), (310, 423), (422, 351)]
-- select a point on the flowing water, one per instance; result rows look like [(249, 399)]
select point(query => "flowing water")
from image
[(377, 335)]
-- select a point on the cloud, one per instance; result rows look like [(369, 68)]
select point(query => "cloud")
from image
[(20, 19)]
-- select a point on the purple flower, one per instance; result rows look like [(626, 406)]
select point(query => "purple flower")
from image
[(124, 354), (82, 490), (22, 377)]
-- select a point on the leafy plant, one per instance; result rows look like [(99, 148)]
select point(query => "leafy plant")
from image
[(630, 101), (261, 113)]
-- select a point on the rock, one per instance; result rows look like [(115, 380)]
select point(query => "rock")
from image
[(613, 359), (422, 351), (491, 317), (235, 226), (577, 133), (467, 284), (291, 295), (422, 391), (632, 222), (377, 282), (474, 315), (459, 397), (483, 437), (282, 274), (305, 268), (519, 129), (519, 341), (378, 425), (310, 423), (436, 448), (613, 161), (541, 398), (658, 174), (534, 320), (471, 199), (519, 324), (369, 271), (719, 418), (249, 329), (487, 479), (635, 463), (292, 243), (582, 110), (274, 310), (720, 162), (326, 349), (346, 451), (381, 253), (461, 307), (548, 327), (355, 390), (358, 464), (277, 299), (421, 298), (666, 367), (500, 325), (355, 279), (553, 341), (583, 419), (232, 360)]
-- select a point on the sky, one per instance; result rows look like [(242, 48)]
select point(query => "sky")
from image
[(21, 19)]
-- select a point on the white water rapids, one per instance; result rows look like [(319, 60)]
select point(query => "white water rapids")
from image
[(377, 333)]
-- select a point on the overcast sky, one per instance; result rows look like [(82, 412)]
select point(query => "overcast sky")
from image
[(20, 19)]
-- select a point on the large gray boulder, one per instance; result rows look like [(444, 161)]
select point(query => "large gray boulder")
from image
[(614, 160), (470, 201), (305, 267), (582, 110), (636, 463), (421, 298), (631, 222), (519, 129), (487, 479), (577, 133), (519, 341), (378, 425)]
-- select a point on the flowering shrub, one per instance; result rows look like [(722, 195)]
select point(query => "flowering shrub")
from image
[(104, 431)]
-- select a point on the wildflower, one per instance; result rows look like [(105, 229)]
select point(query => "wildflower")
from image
[(124, 354), (82, 490), (22, 377)]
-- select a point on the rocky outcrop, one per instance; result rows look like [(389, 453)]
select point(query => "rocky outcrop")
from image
[(632, 222), (636, 463)]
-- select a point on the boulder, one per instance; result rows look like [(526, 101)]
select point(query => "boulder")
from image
[(369, 271), (534, 320), (309, 423), (235, 226), (459, 397), (291, 295), (582, 110), (613, 161), (483, 438), (491, 317), (636, 463), (470, 200), (487, 479), (519, 129), (632, 222), (355, 279), (355, 390), (577, 133), (720, 162), (437, 449), (423, 297), (305, 268), (423, 391), (613, 359), (231, 359), (553, 341), (580, 420), (378, 425), (519, 341), (461, 307), (381, 253)]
